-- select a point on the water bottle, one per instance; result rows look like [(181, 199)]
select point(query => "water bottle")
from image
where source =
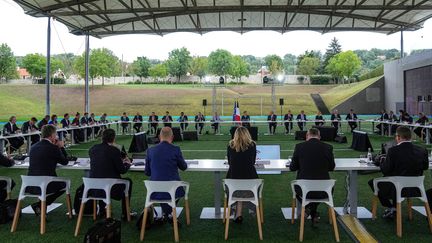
[(369, 155)]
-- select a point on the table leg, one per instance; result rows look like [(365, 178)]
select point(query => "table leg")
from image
[(72, 136), (93, 133), (85, 135), (373, 127), (28, 144), (353, 192), (427, 136), (382, 129), (359, 123), (1, 146), (217, 193)]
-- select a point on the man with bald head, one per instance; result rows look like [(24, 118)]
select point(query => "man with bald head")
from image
[(162, 164)]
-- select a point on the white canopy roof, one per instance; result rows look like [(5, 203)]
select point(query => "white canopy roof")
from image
[(102, 18)]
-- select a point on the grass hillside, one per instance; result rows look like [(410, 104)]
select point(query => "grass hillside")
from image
[(341, 93)]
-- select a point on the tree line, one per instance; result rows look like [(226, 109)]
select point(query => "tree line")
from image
[(338, 64)]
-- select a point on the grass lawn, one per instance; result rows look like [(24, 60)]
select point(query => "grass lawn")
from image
[(277, 194)]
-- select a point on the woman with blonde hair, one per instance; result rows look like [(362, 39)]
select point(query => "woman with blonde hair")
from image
[(241, 154)]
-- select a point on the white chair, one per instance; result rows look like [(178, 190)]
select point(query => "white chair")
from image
[(104, 184), (314, 186), (253, 185), (171, 188), (41, 182), (401, 182), (8, 186)]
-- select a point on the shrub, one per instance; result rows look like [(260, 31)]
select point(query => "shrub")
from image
[(321, 79), (378, 71)]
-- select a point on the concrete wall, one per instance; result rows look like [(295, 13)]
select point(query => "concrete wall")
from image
[(394, 78), (367, 101)]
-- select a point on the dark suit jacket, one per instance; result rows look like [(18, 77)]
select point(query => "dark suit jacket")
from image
[(405, 159), (106, 162), (84, 120), (26, 127), (42, 123), (313, 160), (10, 128), (75, 122), (271, 117), (138, 119), (241, 164), (335, 117), (288, 117), (65, 123), (44, 157), (199, 119), (5, 161), (162, 164), (156, 118), (384, 116), (299, 117), (422, 120), (351, 117)]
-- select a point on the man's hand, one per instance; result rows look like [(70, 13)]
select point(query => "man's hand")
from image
[(59, 143), (127, 161)]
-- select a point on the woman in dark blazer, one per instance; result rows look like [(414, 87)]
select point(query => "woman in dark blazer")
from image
[(241, 154)]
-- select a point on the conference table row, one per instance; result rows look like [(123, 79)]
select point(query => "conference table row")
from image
[(352, 167)]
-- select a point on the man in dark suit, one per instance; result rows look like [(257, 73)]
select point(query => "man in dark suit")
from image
[(319, 119), (301, 118), (271, 118), (6, 162), (335, 118), (384, 117), (404, 159), (11, 128), (288, 122), (352, 120), (153, 120), (167, 119), (43, 122), (106, 161), (78, 133), (162, 164), (199, 122), (183, 119), (313, 160), (44, 157), (245, 118), (84, 121), (138, 119), (124, 123), (29, 127), (423, 119)]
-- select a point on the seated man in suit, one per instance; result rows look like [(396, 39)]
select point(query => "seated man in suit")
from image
[(313, 160), (138, 119), (29, 127), (162, 164), (6, 162), (301, 118), (167, 119), (199, 122), (335, 118), (404, 159), (216, 119), (124, 123), (11, 128), (78, 133), (43, 122), (44, 157), (271, 118), (288, 117), (183, 119), (319, 119), (106, 161), (154, 120), (352, 120), (85, 121), (419, 131), (245, 118)]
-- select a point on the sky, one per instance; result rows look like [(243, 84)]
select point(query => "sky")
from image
[(26, 34)]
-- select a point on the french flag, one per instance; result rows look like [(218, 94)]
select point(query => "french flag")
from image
[(236, 113)]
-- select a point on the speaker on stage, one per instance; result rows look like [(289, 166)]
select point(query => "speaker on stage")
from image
[(204, 102), (281, 101)]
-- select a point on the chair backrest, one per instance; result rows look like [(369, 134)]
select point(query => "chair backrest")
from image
[(402, 182), (8, 185), (34, 181), (104, 184), (252, 185), (169, 187), (314, 186)]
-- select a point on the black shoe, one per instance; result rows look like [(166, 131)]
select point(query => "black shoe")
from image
[(132, 215), (315, 219), (238, 220), (170, 220), (36, 208), (389, 213)]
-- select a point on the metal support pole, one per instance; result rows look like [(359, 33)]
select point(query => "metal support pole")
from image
[(222, 106), (214, 100), (48, 69), (273, 93), (87, 60), (402, 45)]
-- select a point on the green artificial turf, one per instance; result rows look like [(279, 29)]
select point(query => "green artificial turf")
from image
[(277, 194)]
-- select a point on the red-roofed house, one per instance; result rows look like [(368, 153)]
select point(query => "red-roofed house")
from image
[(23, 74)]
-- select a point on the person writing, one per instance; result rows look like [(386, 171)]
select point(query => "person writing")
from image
[(312, 160), (404, 159), (241, 154), (162, 164), (106, 161), (30, 127), (44, 157)]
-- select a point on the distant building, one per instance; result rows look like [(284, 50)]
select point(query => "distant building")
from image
[(23, 73)]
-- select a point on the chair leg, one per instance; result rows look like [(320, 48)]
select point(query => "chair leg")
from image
[(108, 211), (128, 216), (43, 217), (259, 222), (302, 219), (187, 212), (225, 211), (94, 210), (68, 204), (143, 224), (227, 223), (374, 207), (175, 225), (80, 215), (8, 196), (409, 204), (398, 220), (293, 207), (330, 215), (16, 216), (429, 216), (335, 227), (261, 210)]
